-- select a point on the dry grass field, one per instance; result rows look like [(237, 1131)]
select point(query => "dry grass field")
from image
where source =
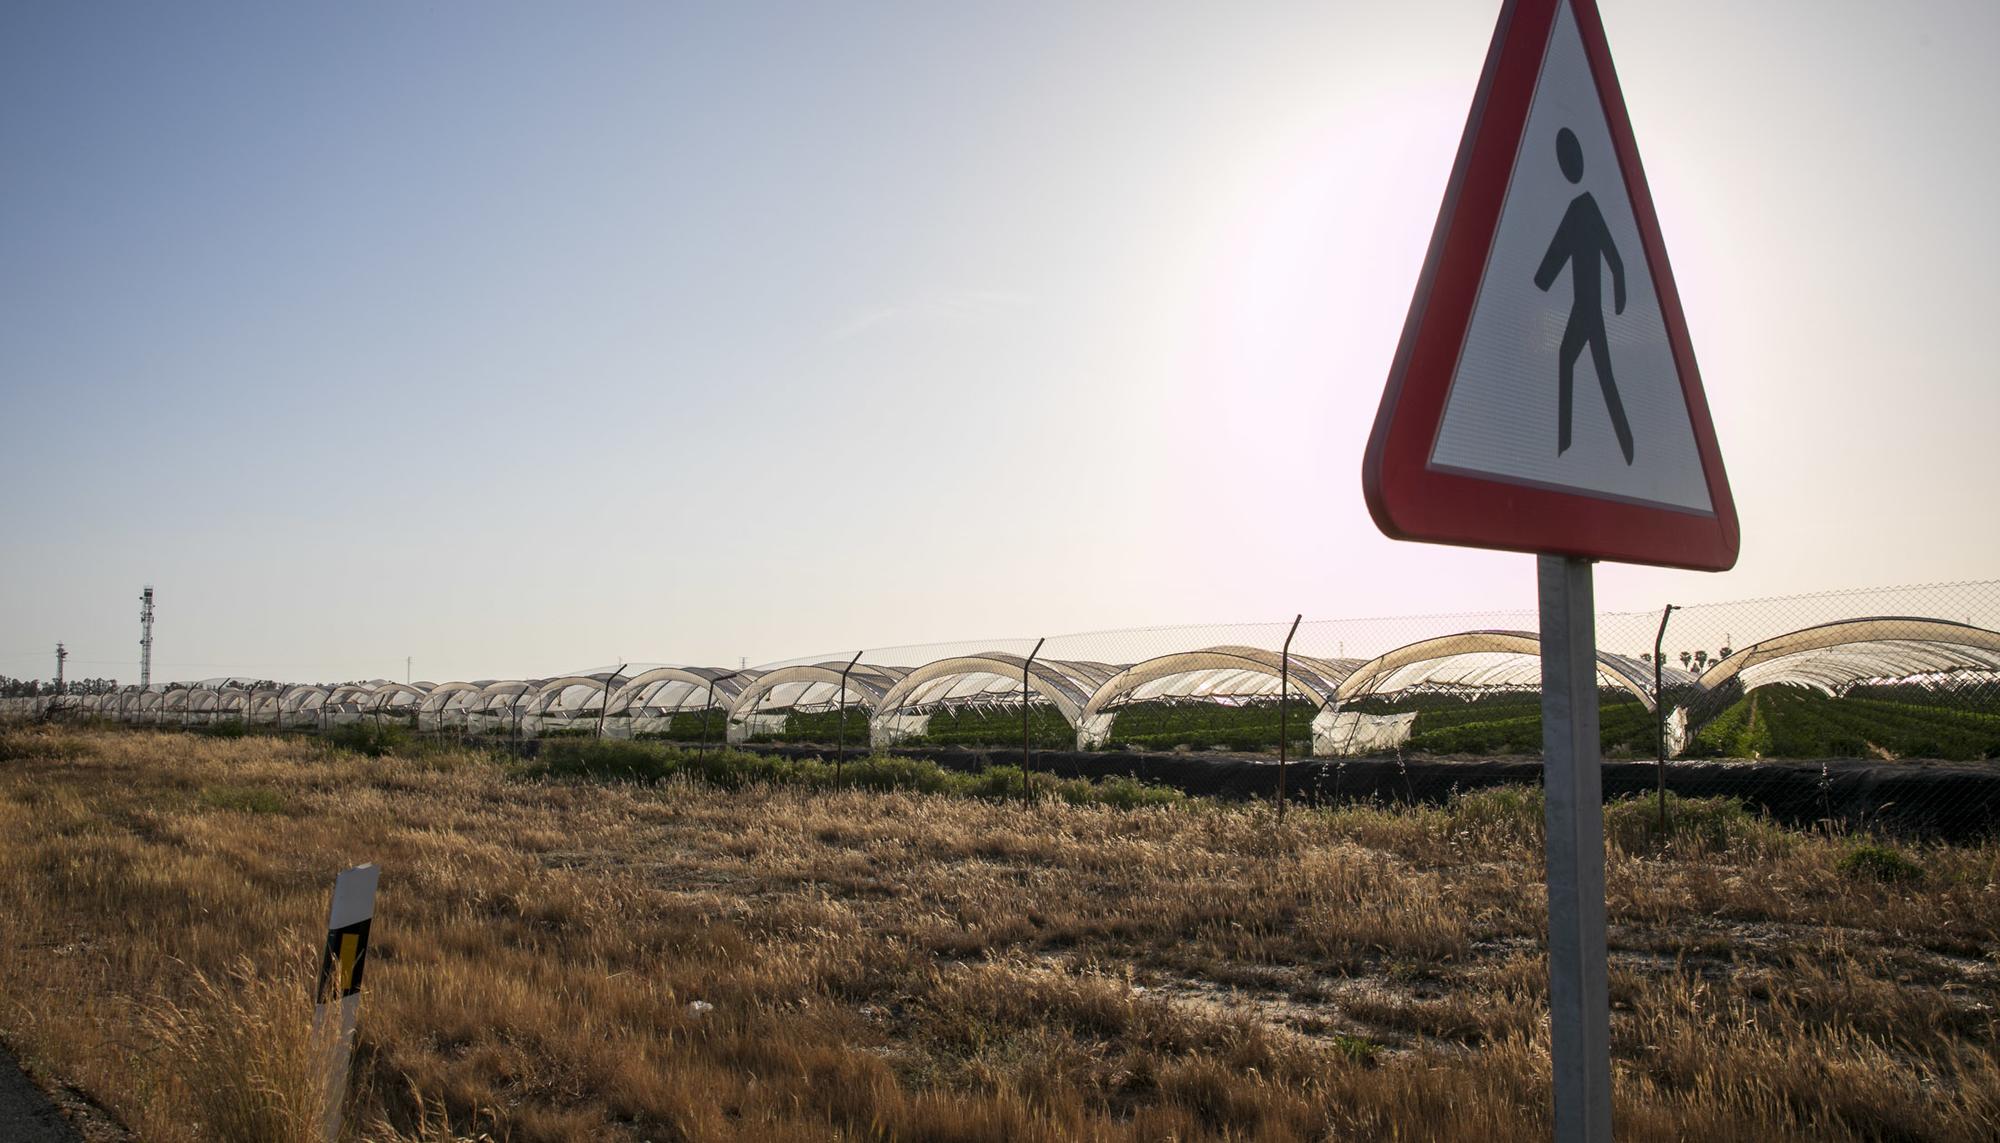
[(573, 960)]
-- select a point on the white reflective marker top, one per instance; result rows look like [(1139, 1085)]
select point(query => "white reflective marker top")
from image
[(353, 896)]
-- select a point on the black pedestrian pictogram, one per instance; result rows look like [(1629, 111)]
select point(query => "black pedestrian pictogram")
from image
[(1582, 240)]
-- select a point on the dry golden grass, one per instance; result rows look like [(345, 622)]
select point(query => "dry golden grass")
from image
[(914, 967)]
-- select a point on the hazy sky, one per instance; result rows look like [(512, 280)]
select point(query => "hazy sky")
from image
[(520, 337)]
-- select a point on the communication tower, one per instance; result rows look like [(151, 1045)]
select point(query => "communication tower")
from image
[(61, 657), (146, 638)]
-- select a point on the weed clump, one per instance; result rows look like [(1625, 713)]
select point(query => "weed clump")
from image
[(1360, 1049), (241, 1059), (370, 738), (1881, 863), (607, 758), (1695, 826)]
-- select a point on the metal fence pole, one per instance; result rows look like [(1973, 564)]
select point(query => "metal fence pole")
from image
[(1660, 715), (709, 706), (1026, 694), (604, 707), (1284, 685), (705, 708), (841, 758), (514, 709)]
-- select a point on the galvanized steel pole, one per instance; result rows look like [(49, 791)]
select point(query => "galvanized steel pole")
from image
[(1572, 779), (605, 706), (711, 704)]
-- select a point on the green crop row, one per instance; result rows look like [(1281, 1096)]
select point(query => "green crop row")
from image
[(1797, 722), (1624, 726)]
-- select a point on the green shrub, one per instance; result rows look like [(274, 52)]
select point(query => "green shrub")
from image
[(1697, 825), (1360, 1049), (1499, 812), (1880, 863), (607, 758), (994, 783), (1128, 793), (882, 772), (367, 737)]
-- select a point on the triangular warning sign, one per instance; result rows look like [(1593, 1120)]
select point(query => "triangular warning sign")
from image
[(1545, 397)]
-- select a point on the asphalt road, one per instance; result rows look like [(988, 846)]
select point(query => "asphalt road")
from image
[(26, 1115)]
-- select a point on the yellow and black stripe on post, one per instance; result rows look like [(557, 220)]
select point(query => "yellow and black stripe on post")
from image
[(341, 963), (337, 998)]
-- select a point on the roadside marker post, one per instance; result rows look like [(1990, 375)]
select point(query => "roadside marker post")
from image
[(337, 996), (1530, 408)]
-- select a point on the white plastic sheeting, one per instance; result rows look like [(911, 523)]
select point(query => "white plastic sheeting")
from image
[(1217, 674), (988, 677), (1490, 660), (1831, 657), (810, 687), (1349, 733), (893, 729), (1834, 656)]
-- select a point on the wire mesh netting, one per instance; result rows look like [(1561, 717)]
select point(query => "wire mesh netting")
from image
[(1878, 705)]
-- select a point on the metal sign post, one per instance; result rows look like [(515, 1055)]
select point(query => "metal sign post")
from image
[(340, 968), (1572, 783), (1544, 398)]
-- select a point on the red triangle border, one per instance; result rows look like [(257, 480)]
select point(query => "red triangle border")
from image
[(1412, 501)]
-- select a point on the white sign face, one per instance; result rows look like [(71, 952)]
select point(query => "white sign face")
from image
[(1567, 378)]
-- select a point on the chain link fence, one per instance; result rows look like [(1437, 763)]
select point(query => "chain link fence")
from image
[(1876, 709)]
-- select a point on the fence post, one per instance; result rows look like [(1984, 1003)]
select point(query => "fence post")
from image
[(706, 707), (1026, 694), (841, 758), (514, 709), (1284, 684), (605, 706), (1660, 716)]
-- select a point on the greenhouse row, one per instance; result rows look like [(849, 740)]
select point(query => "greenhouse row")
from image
[(1348, 706)]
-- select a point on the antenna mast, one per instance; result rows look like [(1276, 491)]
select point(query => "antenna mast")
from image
[(61, 656), (146, 638)]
